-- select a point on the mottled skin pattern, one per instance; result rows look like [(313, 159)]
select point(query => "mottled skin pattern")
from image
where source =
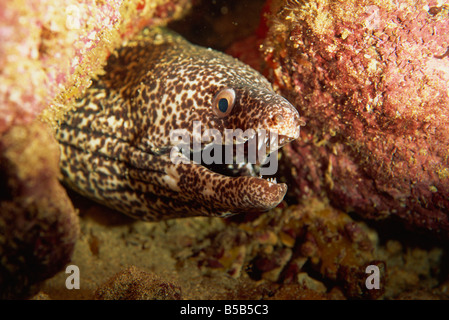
[(115, 144)]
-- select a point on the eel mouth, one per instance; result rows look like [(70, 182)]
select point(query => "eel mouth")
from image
[(254, 164), (249, 158)]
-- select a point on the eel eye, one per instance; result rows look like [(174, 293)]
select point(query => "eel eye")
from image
[(223, 102)]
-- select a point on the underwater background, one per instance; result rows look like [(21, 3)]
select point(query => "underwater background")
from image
[(368, 178)]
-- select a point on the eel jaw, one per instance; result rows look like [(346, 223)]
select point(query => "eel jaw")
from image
[(239, 187), (220, 195)]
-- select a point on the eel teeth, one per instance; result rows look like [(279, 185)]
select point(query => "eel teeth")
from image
[(272, 180)]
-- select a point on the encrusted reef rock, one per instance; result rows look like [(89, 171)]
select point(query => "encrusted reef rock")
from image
[(370, 79), (38, 224), (136, 284), (49, 50), (290, 244)]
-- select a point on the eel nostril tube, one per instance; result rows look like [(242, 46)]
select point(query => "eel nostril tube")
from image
[(278, 119)]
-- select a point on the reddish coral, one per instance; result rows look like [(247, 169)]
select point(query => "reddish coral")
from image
[(43, 46), (51, 49), (370, 80)]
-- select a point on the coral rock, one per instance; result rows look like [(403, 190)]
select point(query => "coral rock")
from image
[(49, 50), (38, 224), (284, 246), (370, 80)]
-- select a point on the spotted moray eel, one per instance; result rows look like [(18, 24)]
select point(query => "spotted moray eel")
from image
[(115, 143)]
